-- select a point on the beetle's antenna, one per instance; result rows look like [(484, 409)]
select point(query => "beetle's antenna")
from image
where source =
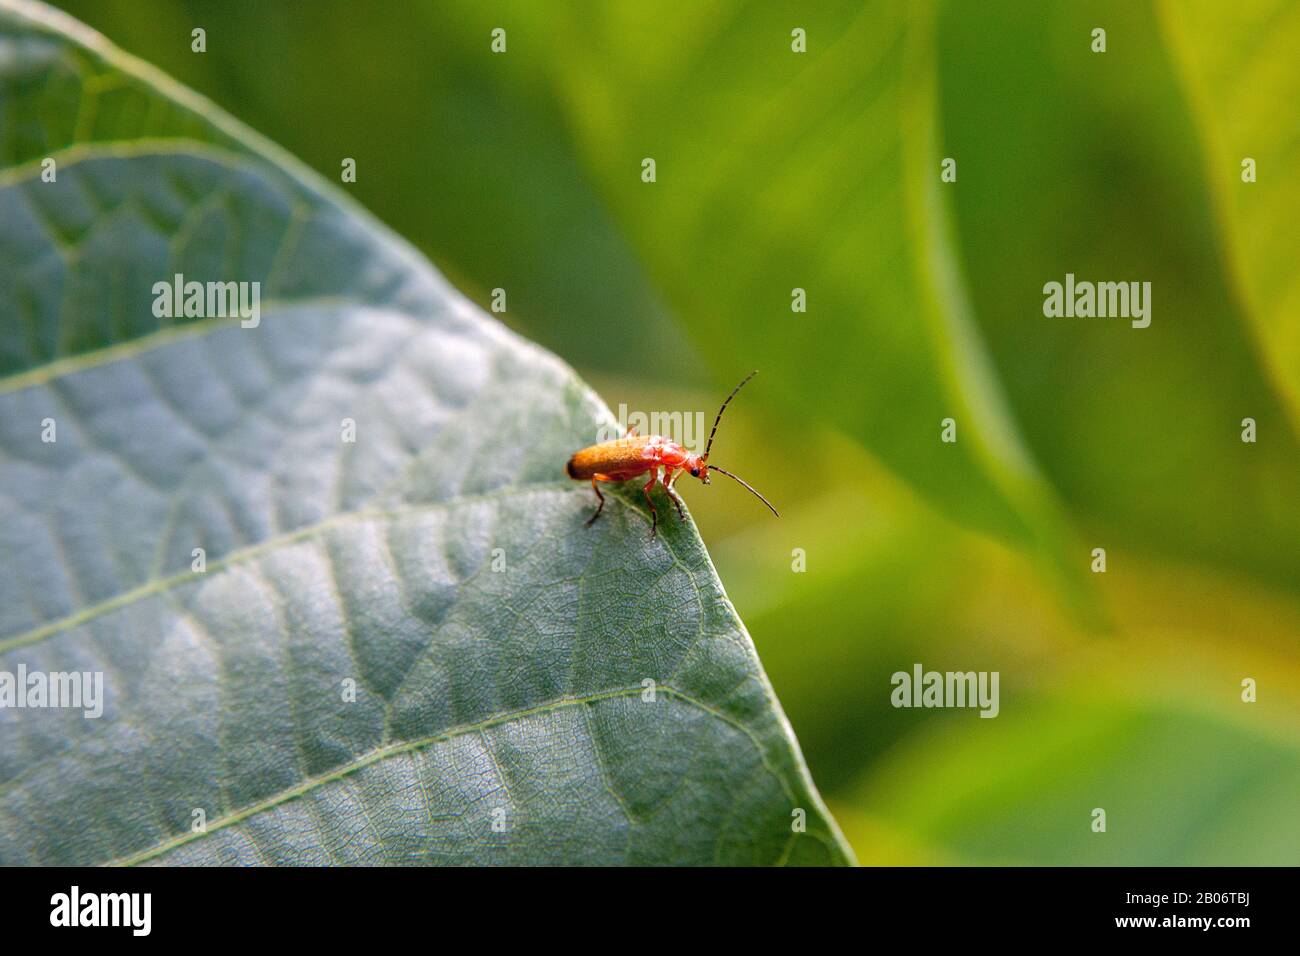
[(752, 491), (719, 418)]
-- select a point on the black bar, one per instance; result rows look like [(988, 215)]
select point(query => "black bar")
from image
[(335, 906)]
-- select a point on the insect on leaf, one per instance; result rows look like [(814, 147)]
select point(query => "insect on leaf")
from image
[(326, 563)]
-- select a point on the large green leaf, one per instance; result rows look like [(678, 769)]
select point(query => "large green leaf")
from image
[(500, 650)]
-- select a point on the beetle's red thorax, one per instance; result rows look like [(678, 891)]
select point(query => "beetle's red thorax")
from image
[(665, 452)]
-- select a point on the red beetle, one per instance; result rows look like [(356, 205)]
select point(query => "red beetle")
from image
[(634, 455)]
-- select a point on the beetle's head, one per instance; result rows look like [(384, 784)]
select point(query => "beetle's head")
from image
[(698, 465)]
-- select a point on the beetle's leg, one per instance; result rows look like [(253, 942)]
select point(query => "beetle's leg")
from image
[(654, 515), (601, 506), (672, 493)]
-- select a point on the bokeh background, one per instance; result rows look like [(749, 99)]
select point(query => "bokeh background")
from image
[(820, 170)]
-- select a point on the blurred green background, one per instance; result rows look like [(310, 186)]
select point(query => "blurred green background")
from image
[(820, 170)]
